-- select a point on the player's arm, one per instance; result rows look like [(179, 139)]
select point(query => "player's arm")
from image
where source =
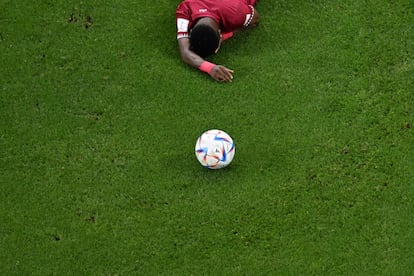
[(187, 55), (217, 72)]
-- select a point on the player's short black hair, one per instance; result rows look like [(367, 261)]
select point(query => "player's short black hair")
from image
[(204, 40)]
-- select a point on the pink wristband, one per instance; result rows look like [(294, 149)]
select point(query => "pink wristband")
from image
[(206, 66), (226, 36)]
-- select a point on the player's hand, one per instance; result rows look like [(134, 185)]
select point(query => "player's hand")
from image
[(221, 73)]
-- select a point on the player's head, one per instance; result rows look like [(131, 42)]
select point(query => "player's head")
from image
[(204, 39)]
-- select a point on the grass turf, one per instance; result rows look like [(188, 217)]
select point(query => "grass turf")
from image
[(99, 118)]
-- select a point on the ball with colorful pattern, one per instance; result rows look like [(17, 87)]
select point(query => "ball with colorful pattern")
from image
[(214, 149)]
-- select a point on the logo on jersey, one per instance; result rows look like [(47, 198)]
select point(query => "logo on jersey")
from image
[(202, 10)]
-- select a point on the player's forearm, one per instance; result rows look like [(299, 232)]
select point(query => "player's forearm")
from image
[(191, 59), (187, 55)]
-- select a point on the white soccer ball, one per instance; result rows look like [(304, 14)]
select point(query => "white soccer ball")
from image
[(214, 149)]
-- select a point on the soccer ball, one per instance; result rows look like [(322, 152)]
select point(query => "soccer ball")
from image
[(214, 149)]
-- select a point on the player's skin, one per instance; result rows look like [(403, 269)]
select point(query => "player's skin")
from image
[(219, 72)]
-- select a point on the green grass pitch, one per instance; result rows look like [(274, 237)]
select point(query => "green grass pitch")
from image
[(99, 118)]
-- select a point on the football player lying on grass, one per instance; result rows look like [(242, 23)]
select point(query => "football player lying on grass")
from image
[(202, 25)]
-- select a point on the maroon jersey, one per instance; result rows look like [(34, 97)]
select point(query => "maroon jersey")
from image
[(229, 14)]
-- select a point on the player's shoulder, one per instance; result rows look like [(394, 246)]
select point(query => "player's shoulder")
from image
[(183, 6)]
